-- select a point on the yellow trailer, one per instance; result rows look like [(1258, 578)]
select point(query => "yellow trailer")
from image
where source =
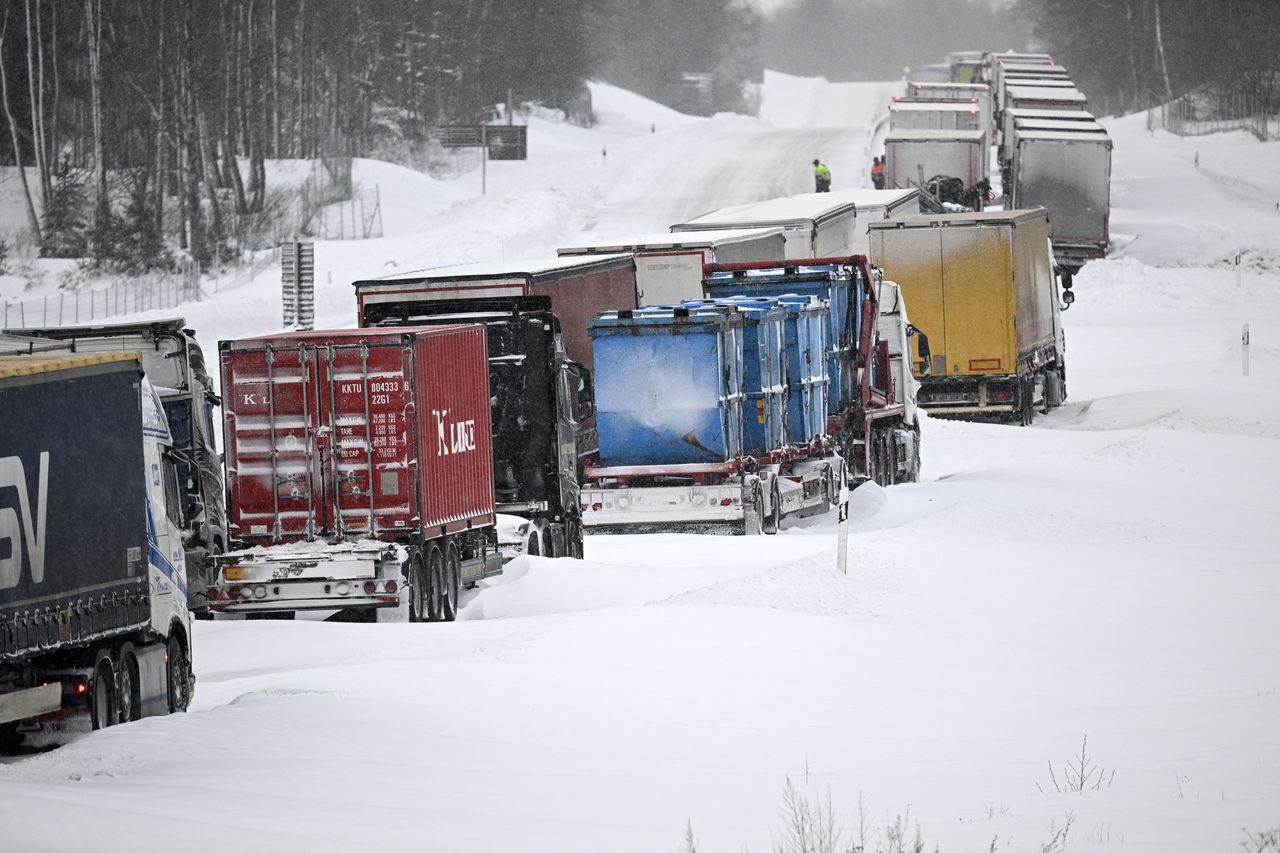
[(982, 287)]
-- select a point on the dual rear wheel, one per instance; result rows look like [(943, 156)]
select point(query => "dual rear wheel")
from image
[(435, 578)]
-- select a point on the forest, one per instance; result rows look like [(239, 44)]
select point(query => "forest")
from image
[(145, 125)]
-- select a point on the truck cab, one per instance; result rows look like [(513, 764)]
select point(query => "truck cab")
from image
[(175, 365), (542, 412)]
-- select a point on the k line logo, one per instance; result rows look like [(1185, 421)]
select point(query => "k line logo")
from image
[(453, 436), (17, 527)]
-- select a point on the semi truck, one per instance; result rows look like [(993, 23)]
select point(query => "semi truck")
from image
[(911, 155), (93, 590), (871, 410), (815, 225), (579, 288), (982, 287), (541, 406), (978, 92), (907, 114), (175, 365), (669, 266), (359, 467), (693, 415), (1069, 173)]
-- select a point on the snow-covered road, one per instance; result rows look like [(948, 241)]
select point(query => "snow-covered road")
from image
[(1110, 573)]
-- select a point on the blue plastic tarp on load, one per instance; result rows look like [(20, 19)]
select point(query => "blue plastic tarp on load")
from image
[(668, 387), (834, 285)]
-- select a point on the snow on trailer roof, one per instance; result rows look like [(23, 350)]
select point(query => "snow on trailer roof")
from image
[(1022, 125), (912, 135), (1064, 136), (670, 240), (967, 87), (906, 105), (1047, 93), (503, 269), (806, 207), (985, 217), (1037, 67), (375, 335), (30, 365), (1065, 115)]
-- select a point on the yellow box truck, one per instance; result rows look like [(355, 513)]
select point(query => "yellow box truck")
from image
[(982, 287)]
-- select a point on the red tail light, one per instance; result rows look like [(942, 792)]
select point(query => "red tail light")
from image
[(597, 506), (392, 586), (1001, 396), (212, 593), (370, 587)]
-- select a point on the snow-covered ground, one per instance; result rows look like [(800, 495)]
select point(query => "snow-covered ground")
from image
[(1111, 573)]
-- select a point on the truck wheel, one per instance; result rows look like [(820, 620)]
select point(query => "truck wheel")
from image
[(534, 546), (435, 584), (129, 687), (417, 590), (179, 675), (773, 520), (573, 536), (452, 577), (102, 708)]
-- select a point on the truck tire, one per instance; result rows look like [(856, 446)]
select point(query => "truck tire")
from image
[(770, 523), (573, 536), (452, 580), (102, 702), (179, 675), (129, 686), (435, 583), (417, 589)]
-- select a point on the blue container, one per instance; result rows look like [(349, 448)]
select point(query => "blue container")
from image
[(668, 385), (763, 379), (832, 284), (805, 365)]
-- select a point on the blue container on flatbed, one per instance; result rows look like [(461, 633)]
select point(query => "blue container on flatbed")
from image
[(668, 385), (763, 380), (836, 285), (804, 363)]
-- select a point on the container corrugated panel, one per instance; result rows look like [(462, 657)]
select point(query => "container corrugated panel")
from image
[(804, 342), (830, 284), (668, 387), (358, 433), (763, 378)]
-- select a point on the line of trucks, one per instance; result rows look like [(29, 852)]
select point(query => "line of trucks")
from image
[(727, 375), (1023, 110)]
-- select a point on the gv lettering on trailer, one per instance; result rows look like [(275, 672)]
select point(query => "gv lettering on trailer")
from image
[(14, 531), (453, 437)]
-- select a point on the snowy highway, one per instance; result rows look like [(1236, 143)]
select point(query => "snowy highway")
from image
[(1109, 573)]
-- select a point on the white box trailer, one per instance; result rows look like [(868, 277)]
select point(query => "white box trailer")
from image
[(1009, 116), (980, 92), (909, 154), (1019, 73), (1043, 98), (815, 225), (909, 114), (1069, 174), (669, 266)]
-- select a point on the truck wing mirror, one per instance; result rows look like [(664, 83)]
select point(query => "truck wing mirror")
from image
[(922, 343), (1067, 298), (586, 394)]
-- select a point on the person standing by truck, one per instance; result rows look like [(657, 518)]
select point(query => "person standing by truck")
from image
[(821, 177), (877, 173)]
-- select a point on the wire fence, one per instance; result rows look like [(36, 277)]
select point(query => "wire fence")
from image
[(1201, 113), (132, 295)]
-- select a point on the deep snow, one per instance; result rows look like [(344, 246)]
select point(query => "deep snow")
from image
[(1110, 573)]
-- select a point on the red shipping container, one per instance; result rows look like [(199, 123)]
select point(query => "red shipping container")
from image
[(357, 433)]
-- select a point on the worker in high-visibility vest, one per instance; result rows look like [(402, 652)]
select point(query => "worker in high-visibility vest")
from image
[(821, 177), (877, 173)]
